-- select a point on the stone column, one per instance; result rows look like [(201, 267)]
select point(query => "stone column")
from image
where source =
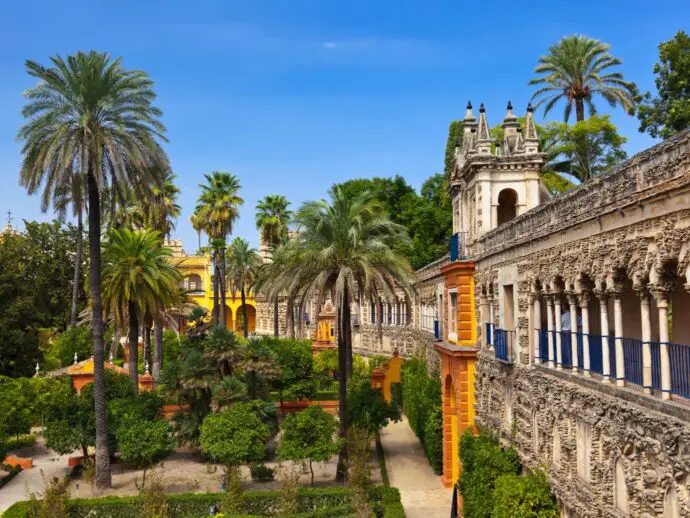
[(605, 352), (537, 325), (646, 338), (618, 337), (549, 327), (557, 318), (662, 305), (572, 301), (584, 308)]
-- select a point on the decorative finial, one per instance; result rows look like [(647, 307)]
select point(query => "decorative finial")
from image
[(481, 108), (37, 368), (469, 105), (111, 357), (9, 217), (146, 367), (510, 105), (76, 358), (529, 107)]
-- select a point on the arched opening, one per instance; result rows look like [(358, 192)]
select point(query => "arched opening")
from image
[(455, 445), (251, 319), (507, 206), (620, 488), (556, 446), (192, 283), (671, 503)]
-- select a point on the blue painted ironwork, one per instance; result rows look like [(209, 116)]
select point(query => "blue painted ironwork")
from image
[(454, 249), (503, 344), (543, 345), (679, 360), (632, 360), (437, 330), (580, 351), (595, 356), (656, 364), (612, 356), (566, 349), (490, 333)]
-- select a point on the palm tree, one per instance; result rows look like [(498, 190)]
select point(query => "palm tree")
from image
[(88, 114), (272, 218), (138, 279), (345, 248), (215, 213), (243, 265), (574, 71)]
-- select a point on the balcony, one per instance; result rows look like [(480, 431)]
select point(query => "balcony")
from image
[(503, 341), (632, 365), (458, 247)]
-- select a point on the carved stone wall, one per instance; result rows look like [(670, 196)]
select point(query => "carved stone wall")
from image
[(409, 341)]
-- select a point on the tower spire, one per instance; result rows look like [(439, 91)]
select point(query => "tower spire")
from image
[(531, 137), (483, 136)]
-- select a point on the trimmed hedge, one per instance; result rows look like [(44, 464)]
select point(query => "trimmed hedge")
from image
[(421, 398), (312, 503)]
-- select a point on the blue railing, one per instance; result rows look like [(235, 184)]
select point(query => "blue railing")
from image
[(632, 360), (543, 345), (489, 333), (595, 356), (503, 344), (655, 348), (679, 360), (580, 351), (612, 357), (566, 349), (437, 330)]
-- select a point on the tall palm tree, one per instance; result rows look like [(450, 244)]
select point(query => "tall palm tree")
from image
[(575, 69), (88, 114), (272, 218), (243, 265), (345, 248), (138, 279), (217, 209)]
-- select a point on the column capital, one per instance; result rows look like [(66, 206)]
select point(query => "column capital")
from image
[(572, 297), (601, 294), (642, 292), (661, 295), (616, 293), (584, 297)]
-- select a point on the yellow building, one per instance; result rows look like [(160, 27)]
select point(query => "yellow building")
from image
[(197, 275)]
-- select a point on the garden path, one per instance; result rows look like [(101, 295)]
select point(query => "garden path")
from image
[(421, 491)]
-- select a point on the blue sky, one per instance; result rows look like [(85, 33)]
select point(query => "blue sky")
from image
[(295, 95)]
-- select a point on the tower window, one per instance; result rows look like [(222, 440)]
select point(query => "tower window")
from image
[(507, 205)]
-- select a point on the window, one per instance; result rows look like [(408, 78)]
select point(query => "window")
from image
[(453, 313), (620, 488), (507, 206), (556, 446), (193, 283)]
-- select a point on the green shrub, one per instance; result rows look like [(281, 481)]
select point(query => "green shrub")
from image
[(483, 461), (367, 408), (421, 396), (312, 503), (74, 340), (295, 362), (143, 442), (523, 497), (261, 473), (397, 394)]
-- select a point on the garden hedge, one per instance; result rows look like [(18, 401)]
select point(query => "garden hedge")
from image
[(312, 503), (421, 398)]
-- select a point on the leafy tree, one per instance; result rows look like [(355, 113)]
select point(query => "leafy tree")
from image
[(260, 367), (143, 442), (309, 436), (345, 247), (215, 213), (575, 70), (16, 404), (138, 279), (367, 408), (483, 462), (243, 265), (523, 497), (668, 113), (75, 340), (88, 114), (295, 364), (272, 219), (455, 134), (234, 436)]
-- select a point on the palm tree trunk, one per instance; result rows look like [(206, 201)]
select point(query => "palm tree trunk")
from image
[(343, 326), (103, 478), (115, 344), (290, 318), (579, 109), (275, 317), (244, 312), (157, 347), (133, 345), (223, 322), (77, 271), (146, 335), (215, 291)]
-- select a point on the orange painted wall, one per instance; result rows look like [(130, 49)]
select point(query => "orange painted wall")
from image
[(460, 276)]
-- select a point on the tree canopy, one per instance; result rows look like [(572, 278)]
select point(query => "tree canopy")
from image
[(669, 112)]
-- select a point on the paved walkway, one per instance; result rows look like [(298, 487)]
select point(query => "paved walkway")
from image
[(423, 495), (47, 464)]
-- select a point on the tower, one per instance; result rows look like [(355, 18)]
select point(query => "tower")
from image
[(494, 182)]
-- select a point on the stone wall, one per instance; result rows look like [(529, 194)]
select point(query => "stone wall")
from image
[(651, 438), (407, 340)]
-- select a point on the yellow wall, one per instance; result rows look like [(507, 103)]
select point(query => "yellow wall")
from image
[(201, 266)]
